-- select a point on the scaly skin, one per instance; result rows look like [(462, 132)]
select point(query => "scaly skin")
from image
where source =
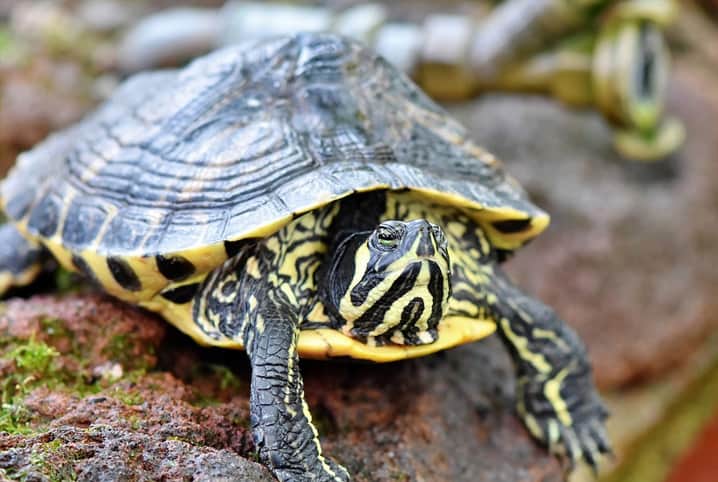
[(555, 393), (282, 426), (252, 299)]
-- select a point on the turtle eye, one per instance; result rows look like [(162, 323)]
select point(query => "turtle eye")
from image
[(388, 236)]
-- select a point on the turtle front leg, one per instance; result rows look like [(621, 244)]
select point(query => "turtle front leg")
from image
[(282, 426), (556, 396)]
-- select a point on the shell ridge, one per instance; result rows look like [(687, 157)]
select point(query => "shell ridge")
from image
[(236, 144)]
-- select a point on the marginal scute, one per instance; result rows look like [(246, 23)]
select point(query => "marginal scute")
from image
[(232, 248), (511, 226), (21, 259), (19, 204), (181, 294), (45, 216), (84, 268), (82, 223), (124, 274), (127, 228), (174, 268)]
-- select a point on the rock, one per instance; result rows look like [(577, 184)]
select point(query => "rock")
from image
[(106, 15), (40, 97), (147, 424), (102, 453), (92, 327), (184, 409), (630, 256), (168, 38), (445, 417)]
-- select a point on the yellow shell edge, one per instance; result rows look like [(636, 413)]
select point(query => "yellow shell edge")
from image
[(453, 331), (327, 343)]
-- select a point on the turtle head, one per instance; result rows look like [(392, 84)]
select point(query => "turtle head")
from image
[(391, 284)]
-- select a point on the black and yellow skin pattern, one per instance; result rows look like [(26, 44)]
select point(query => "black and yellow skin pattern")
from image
[(381, 269), (300, 197)]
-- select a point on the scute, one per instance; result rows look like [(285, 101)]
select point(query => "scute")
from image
[(180, 163), (83, 223)]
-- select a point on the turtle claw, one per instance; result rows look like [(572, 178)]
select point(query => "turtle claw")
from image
[(572, 426), (581, 446)]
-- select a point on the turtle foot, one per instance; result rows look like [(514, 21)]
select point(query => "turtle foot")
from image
[(567, 414)]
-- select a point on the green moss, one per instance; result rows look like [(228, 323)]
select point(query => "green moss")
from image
[(220, 376), (134, 376), (132, 399), (128, 397), (37, 459), (121, 348), (67, 281), (135, 422), (14, 419), (40, 460), (56, 332), (34, 365), (63, 472), (33, 357), (117, 346), (227, 379), (54, 327), (202, 400), (176, 438), (53, 445)]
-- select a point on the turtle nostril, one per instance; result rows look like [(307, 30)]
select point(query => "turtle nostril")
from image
[(438, 235), (426, 244)]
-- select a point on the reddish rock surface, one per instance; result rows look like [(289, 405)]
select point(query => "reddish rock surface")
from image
[(445, 417), (178, 410), (102, 329)]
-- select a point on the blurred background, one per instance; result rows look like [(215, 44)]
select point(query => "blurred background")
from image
[(605, 110)]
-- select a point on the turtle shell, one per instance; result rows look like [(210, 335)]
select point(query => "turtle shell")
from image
[(179, 164)]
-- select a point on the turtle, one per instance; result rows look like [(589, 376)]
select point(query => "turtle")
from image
[(300, 197)]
